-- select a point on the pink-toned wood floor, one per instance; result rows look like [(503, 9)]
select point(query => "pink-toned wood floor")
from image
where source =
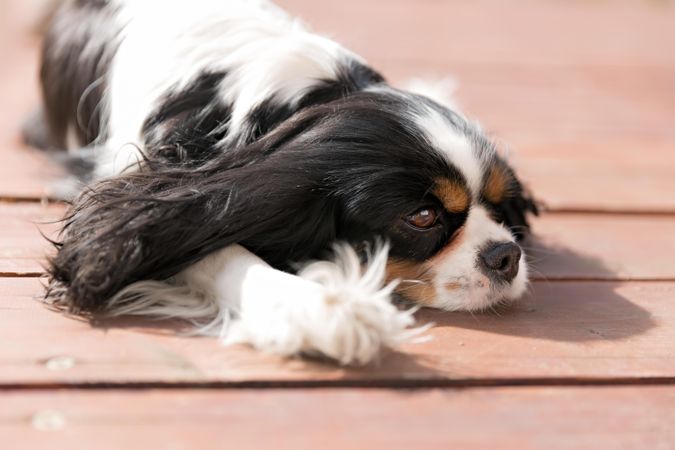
[(583, 95)]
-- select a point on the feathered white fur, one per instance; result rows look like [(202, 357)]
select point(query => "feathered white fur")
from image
[(333, 309), (266, 53)]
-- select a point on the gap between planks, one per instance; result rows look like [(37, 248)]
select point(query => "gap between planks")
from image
[(381, 383)]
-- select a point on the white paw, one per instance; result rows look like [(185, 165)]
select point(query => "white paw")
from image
[(331, 309)]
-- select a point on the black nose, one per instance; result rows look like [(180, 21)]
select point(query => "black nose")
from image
[(501, 260)]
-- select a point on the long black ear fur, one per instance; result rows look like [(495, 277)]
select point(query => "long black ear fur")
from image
[(155, 222)]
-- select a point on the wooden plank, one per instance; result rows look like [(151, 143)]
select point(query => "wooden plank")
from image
[(636, 175), (596, 246), (24, 173), (562, 104), (583, 138), (578, 332), (588, 120), (578, 246), (523, 418), (22, 248), (580, 126), (517, 32)]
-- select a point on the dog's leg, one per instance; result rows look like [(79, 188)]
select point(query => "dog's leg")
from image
[(330, 309)]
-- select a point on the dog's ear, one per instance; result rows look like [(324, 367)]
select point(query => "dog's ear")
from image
[(510, 201), (153, 223)]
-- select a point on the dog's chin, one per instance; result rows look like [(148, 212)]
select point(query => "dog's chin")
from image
[(477, 293)]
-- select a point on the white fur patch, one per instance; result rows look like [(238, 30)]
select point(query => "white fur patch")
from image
[(280, 67), (332, 308), (264, 52), (459, 284), (455, 145)]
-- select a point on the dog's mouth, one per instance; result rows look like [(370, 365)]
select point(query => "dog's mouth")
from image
[(474, 290), (465, 293)]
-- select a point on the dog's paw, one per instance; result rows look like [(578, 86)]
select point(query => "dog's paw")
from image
[(337, 311)]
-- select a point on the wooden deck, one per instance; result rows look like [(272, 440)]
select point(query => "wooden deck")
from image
[(584, 95)]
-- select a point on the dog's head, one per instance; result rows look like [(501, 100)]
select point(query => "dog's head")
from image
[(400, 166), (372, 165)]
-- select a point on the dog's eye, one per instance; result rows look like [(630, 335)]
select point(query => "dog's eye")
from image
[(423, 218)]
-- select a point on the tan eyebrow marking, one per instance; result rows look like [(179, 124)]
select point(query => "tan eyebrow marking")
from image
[(497, 184), (454, 196)]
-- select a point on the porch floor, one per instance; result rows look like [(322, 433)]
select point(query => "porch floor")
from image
[(583, 93)]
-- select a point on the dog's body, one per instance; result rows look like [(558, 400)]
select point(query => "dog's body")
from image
[(226, 144)]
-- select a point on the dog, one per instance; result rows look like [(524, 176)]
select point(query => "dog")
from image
[(264, 183)]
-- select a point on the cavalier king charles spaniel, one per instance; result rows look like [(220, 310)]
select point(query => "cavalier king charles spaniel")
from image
[(263, 182)]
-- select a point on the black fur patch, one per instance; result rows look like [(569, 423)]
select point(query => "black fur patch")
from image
[(188, 124), (351, 77), (347, 170)]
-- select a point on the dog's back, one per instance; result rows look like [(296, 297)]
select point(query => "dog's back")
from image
[(120, 72)]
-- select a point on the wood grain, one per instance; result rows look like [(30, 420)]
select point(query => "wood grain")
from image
[(524, 32), (564, 331), (602, 246), (24, 173), (587, 118), (522, 418), (22, 247), (581, 96)]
